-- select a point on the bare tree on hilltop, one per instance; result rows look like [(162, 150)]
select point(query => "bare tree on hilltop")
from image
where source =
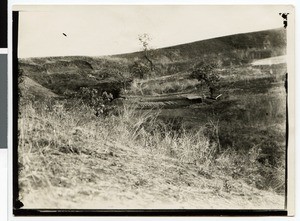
[(145, 40)]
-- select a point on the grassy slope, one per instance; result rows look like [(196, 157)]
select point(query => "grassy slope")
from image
[(96, 163), (74, 168), (228, 46)]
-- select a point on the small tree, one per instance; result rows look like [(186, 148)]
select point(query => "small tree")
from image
[(145, 40), (205, 73)]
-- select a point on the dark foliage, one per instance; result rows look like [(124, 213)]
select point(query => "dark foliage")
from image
[(206, 74), (139, 70)]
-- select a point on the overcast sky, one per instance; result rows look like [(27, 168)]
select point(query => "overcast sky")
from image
[(106, 30)]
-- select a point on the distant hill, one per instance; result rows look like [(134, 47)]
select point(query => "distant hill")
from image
[(261, 40), (60, 74)]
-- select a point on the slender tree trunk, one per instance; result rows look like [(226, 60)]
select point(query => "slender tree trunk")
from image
[(149, 60)]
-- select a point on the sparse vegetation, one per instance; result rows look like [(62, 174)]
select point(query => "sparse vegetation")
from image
[(151, 143), (90, 148)]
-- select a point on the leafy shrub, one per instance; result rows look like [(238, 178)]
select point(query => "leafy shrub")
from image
[(139, 70), (206, 74), (92, 98)]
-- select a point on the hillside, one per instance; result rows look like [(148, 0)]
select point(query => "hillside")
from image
[(61, 74), (30, 88), (238, 46), (168, 141)]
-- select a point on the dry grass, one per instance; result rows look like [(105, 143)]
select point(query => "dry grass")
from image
[(71, 159), (155, 87)]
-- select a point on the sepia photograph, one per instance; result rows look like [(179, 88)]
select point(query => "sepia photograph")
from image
[(152, 107)]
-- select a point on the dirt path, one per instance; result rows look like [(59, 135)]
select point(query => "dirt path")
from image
[(160, 78), (270, 61)]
